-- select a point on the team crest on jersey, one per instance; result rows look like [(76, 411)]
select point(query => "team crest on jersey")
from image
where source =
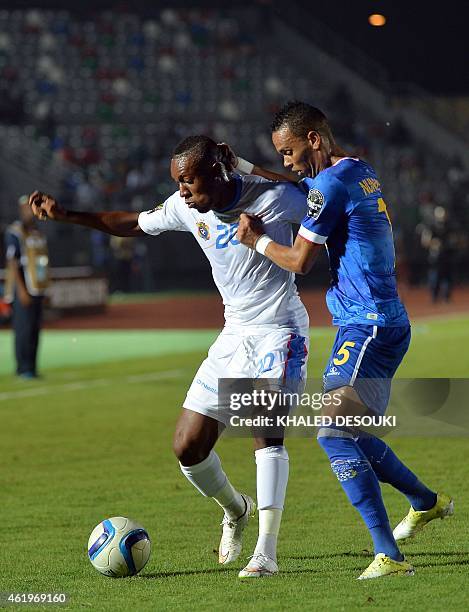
[(315, 203), (204, 230), (157, 207)]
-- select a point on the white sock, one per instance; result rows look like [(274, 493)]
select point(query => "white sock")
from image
[(210, 479), (269, 526), (272, 478), (230, 500)]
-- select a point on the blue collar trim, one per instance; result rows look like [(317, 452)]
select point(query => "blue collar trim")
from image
[(239, 184)]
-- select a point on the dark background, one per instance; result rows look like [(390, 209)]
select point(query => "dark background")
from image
[(422, 42), (421, 45)]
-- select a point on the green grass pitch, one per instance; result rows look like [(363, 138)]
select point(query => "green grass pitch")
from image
[(93, 440)]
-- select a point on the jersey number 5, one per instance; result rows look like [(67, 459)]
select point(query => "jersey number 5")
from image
[(344, 353)]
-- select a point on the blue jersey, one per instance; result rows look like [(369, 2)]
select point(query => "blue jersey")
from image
[(347, 213)]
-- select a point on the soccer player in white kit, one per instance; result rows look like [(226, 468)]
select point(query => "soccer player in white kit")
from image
[(266, 325)]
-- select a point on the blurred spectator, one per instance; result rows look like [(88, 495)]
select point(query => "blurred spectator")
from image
[(99, 252), (142, 278), (87, 195), (122, 249), (439, 239), (11, 105), (26, 282)]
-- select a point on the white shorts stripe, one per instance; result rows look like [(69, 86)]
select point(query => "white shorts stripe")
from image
[(362, 352)]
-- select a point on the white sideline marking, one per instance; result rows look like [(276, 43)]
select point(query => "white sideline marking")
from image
[(88, 384)]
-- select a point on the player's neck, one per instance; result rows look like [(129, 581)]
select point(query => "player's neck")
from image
[(226, 195), (325, 159), (337, 154)]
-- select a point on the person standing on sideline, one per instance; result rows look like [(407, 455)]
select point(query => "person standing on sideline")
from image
[(27, 278)]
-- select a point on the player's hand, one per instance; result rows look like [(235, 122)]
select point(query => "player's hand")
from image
[(249, 229), (228, 156), (45, 207), (24, 297)]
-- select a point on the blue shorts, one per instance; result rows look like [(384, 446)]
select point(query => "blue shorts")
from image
[(366, 358)]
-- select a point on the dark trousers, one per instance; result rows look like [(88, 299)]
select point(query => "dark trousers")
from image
[(26, 326), (440, 283)]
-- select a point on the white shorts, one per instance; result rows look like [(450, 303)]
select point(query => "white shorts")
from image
[(280, 355)]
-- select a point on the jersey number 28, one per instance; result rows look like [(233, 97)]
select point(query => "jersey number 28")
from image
[(227, 235)]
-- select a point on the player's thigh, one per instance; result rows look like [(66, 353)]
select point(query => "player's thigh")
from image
[(366, 358), (379, 366), (279, 366), (282, 356), (204, 395)]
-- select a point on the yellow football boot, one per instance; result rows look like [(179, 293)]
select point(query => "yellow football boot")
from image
[(385, 566), (416, 520)]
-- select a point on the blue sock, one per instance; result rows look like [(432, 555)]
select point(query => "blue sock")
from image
[(389, 468), (355, 474)]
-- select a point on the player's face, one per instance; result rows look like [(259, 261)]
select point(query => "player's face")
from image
[(196, 187), (298, 153)]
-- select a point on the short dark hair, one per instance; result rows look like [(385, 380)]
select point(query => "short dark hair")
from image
[(201, 149), (301, 118)]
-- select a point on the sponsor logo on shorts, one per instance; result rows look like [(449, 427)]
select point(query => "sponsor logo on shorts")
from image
[(315, 203), (333, 371), (204, 230), (205, 386)]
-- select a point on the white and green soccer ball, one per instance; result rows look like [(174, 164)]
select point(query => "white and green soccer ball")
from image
[(119, 547)]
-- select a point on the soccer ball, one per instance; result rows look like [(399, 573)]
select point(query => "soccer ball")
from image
[(119, 547)]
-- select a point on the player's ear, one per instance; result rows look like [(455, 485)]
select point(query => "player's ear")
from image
[(314, 139)]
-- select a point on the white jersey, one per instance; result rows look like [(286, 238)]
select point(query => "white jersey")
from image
[(256, 293)]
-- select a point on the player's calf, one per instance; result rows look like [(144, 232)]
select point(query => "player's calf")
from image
[(361, 486), (194, 439)]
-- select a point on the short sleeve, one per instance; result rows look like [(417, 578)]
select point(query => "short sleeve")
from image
[(164, 217), (293, 203), (326, 199), (12, 246)]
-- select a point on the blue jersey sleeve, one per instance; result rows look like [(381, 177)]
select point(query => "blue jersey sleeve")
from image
[(12, 246), (327, 198)]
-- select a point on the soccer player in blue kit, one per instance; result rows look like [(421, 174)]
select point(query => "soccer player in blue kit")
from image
[(347, 214)]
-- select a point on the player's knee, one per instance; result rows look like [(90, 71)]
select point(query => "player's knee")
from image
[(188, 449), (347, 403), (262, 443), (335, 441)]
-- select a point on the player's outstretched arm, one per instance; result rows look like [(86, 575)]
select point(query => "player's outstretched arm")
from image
[(117, 223), (298, 259)]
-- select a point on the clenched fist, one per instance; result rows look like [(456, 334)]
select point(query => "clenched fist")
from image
[(45, 207), (249, 230)]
